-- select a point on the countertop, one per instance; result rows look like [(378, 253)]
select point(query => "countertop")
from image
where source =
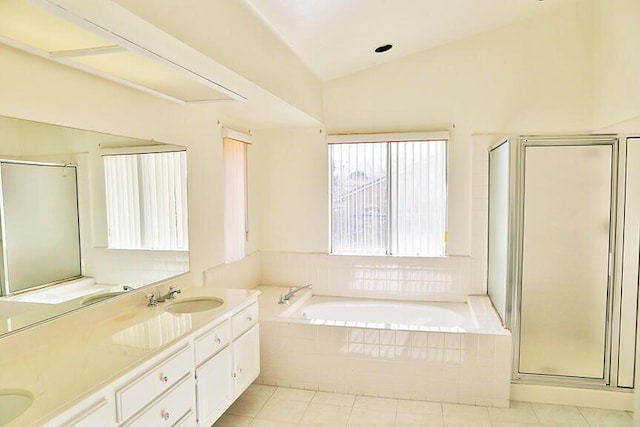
[(64, 361)]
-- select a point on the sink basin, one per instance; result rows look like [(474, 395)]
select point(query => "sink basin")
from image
[(12, 404), (92, 299), (194, 305)]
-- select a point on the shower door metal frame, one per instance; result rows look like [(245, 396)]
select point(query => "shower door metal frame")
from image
[(5, 277), (516, 229)]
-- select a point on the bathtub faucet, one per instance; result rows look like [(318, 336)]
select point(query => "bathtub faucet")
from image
[(285, 298)]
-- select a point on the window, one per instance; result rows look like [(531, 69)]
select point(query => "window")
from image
[(146, 195), (389, 194), (235, 194)]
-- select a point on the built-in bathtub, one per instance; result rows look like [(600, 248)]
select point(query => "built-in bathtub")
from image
[(445, 352)]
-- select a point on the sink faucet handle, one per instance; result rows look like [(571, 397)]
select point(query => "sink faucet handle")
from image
[(153, 301)]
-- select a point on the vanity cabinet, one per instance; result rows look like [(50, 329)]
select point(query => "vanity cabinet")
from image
[(246, 351), (145, 388), (100, 413), (228, 367), (189, 383), (215, 390)]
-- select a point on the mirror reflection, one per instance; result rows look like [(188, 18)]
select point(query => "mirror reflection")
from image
[(84, 217)]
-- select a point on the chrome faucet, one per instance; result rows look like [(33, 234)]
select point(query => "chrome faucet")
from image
[(285, 298), (173, 291), (153, 301)]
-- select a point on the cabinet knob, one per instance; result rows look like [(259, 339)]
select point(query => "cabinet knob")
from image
[(164, 378), (218, 340), (165, 415), (250, 318), (233, 374)]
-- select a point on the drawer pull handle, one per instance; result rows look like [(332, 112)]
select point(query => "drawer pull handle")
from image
[(164, 378), (165, 415), (250, 318), (218, 340), (233, 374)]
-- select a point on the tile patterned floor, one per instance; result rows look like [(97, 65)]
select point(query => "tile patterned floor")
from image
[(266, 406)]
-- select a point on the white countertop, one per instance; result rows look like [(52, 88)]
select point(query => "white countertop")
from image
[(63, 361)]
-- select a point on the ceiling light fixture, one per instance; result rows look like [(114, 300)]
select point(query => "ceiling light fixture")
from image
[(117, 46), (383, 48)]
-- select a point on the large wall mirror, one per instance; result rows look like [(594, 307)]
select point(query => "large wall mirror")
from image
[(85, 217)]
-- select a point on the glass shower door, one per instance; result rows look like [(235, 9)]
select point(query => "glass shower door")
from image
[(566, 236)]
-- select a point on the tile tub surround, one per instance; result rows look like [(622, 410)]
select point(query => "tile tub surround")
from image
[(277, 406), (421, 363), (67, 359), (402, 278)]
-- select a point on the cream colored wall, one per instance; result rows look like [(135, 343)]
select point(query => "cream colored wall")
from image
[(533, 76), (293, 190), (231, 33), (617, 62), (36, 89)]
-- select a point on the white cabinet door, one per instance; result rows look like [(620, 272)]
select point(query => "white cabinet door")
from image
[(246, 350), (215, 387)]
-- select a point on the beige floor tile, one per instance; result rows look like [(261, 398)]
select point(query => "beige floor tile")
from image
[(261, 390), (267, 423), (559, 415), (606, 418), (419, 407), (232, 421), (517, 412), (376, 403), (370, 417), (512, 424), (416, 419), (294, 394), (323, 415), (338, 399), (247, 405), (283, 410), (465, 415)]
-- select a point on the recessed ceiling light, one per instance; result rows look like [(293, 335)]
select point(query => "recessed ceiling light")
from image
[(383, 48)]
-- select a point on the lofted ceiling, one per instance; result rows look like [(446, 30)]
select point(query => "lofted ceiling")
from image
[(338, 37)]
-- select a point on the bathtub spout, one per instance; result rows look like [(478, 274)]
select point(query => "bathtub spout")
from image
[(285, 298)]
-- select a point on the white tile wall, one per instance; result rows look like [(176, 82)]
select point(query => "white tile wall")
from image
[(424, 279), (243, 274), (119, 266), (443, 367)]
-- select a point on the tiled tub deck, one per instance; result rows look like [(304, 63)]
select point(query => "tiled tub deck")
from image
[(469, 365)]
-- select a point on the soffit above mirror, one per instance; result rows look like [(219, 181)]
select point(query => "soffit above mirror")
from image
[(135, 54)]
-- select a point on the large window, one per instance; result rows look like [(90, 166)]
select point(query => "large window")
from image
[(147, 200), (389, 194)]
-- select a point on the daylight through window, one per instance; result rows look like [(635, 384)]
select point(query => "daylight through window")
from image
[(389, 198), (146, 197)]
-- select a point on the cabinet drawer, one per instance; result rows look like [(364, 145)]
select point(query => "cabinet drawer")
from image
[(244, 320), (188, 420), (172, 408), (213, 341), (100, 413), (131, 398)]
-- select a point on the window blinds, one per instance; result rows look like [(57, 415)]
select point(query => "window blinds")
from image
[(235, 194), (146, 198), (389, 197)]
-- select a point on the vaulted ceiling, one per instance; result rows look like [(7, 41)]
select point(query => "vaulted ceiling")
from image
[(338, 37)]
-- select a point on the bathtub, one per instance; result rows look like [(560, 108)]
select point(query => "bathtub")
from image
[(386, 314), (442, 352)]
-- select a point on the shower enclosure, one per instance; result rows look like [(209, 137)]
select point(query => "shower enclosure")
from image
[(561, 229)]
